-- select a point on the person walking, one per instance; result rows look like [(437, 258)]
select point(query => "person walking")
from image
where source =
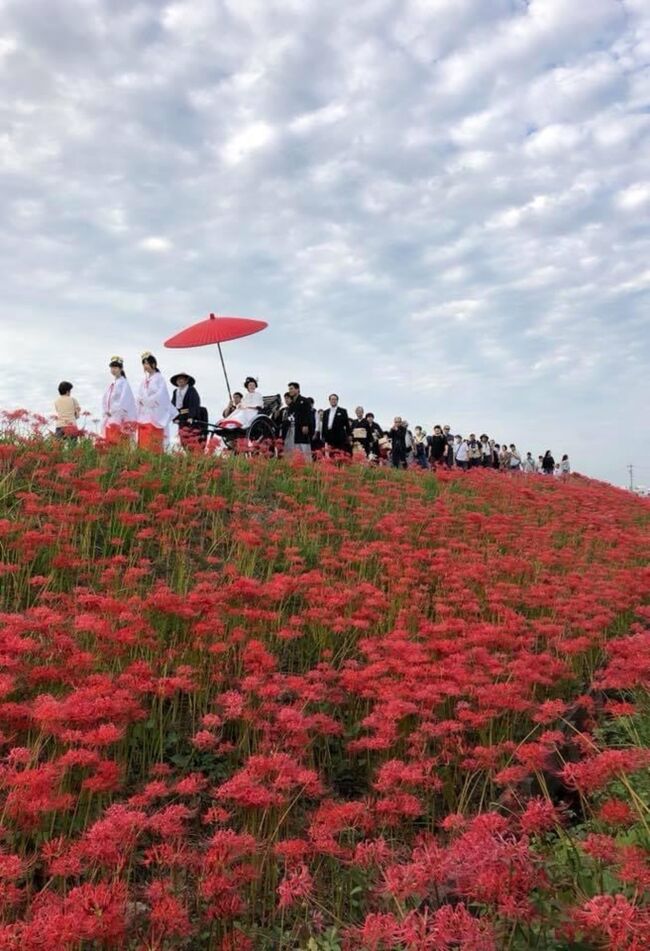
[(450, 456), (461, 452), (548, 463), (67, 413), (486, 451), (154, 407), (504, 458), (375, 434), (474, 451), (437, 447), (359, 431), (335, 430), (528, 464), (565, 466), (119, 411), (397, 435), (299, 424), (187, 404), (420, 447), (514, 462)]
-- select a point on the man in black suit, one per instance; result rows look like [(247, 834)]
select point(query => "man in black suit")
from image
[(187, 402), (336, 427), (298, 427)]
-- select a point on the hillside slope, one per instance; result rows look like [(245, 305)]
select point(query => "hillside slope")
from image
[(246, 705)]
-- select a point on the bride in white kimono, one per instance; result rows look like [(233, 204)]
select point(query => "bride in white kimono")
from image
[(250, 405), (118, 405), (155, 410)]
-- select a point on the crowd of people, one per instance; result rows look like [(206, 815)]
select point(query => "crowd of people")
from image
[(303, 428)]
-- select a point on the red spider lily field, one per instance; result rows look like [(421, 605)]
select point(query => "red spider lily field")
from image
[(248, 705)]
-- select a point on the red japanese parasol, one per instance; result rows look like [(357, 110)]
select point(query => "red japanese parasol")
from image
[(216, 330)]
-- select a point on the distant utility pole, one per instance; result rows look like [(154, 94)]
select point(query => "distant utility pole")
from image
[(630, 469)]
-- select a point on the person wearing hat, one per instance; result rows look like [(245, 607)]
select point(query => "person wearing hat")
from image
[(155, 408), (187, 403), (250, 405), (118, 405)]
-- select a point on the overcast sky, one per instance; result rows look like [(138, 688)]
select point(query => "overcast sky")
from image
[(441, 207)]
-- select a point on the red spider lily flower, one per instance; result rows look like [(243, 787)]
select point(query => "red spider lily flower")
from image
[(540, 816), (168, 916), (614, 922), (597, 771), (296, 886), (616, 812)]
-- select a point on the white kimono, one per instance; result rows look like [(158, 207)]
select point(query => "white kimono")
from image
[(248, 409), (118, 404), (154, 402)]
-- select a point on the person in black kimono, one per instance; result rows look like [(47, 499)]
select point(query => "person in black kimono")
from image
[(397, 435), (187, 403), (299, 427), (359, 432), (335, 429)]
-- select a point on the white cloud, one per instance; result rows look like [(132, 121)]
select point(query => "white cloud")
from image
[(634, 196), (153, 243), (243, 143)]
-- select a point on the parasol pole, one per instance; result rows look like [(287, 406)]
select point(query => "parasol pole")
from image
[(223, 365)]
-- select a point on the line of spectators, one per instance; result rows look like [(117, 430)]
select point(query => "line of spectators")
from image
[(332, 431)]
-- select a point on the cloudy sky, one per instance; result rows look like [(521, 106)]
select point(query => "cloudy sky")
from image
[(441, 207)]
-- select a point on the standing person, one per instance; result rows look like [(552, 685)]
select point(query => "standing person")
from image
[(529, 463), (359, 431), (67, 413), (450, 458), (397, 435), (336, 427), (504, 458), (565, 466), (118, 405), (250, 405), (486, 451), (233, 403), (420, 446), (461, 452), (548, 463), (515, 459), (317, 443), (300, 424), (155, 408), (187, 403), (437, 447), (409, 442), (375, 433), (474, 451)]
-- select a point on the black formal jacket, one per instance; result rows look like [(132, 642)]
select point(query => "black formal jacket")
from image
[(300, 410), (339, 434), (189, 411)]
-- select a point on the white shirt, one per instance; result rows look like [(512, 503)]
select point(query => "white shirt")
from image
[(330, 417), (180, 396)]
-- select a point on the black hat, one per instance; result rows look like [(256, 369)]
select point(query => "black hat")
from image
[(190, 379)]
